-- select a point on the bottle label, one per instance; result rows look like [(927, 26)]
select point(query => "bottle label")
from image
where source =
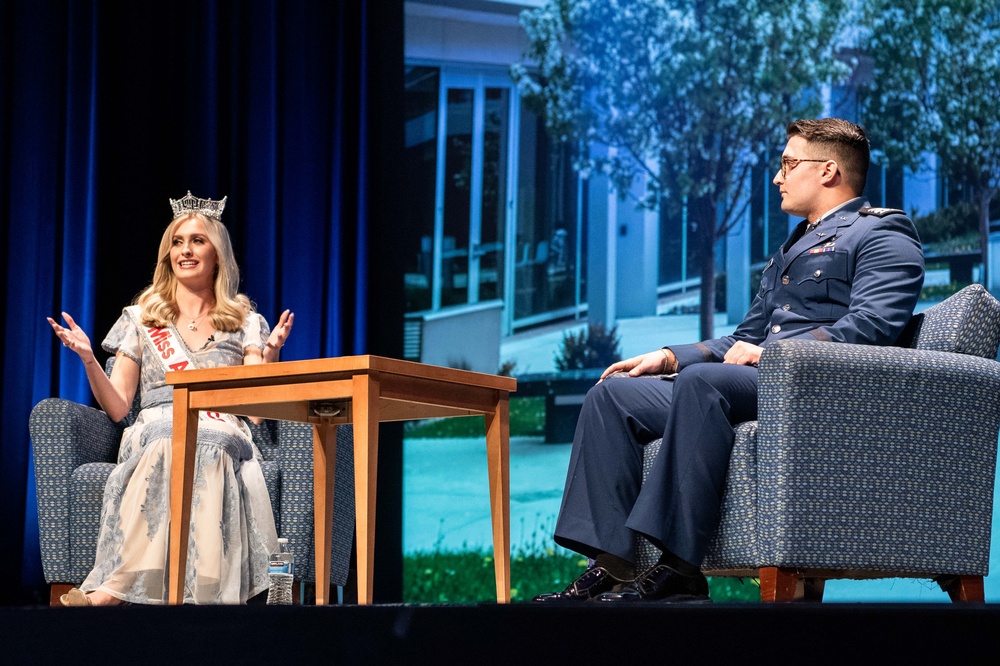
[(279, 566)]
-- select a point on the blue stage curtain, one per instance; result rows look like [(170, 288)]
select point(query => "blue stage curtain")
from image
[(289, 108)]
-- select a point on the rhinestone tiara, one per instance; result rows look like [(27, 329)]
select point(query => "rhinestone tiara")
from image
[(192, 204)]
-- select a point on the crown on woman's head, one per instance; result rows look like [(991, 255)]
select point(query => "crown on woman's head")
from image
[(192, 204)]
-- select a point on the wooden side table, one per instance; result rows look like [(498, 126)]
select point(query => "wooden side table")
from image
[(362, 390)]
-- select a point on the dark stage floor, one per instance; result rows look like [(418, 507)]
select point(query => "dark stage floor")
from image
[(492, 634)]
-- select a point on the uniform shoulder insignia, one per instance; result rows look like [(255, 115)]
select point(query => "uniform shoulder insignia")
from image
[(881, 212)]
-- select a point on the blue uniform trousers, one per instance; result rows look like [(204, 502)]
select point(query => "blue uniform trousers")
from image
[(605, 502)]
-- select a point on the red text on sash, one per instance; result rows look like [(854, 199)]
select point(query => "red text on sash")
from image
[(163, 341)]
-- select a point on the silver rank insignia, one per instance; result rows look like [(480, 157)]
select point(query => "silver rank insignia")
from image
[(881, 212)]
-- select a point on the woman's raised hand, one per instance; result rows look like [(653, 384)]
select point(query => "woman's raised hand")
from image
[(72, 336), (279, 335)]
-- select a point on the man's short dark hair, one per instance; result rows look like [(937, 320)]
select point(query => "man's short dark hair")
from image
[(838, 140)]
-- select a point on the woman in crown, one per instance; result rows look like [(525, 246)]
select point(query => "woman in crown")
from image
[(191, 316)]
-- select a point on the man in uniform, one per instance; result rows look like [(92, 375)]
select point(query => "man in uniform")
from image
[(848, 273)]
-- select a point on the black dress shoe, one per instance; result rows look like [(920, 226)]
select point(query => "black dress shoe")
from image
[(660, 583), (593, 582)]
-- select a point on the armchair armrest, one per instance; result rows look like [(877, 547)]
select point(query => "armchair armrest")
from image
[(869, 455), (64, 435)]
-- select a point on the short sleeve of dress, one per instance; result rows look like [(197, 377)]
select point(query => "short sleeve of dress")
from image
[(124, 335), (255, 331)]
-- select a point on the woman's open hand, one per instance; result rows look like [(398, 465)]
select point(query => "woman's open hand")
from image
[(72, 336), (279, 335)]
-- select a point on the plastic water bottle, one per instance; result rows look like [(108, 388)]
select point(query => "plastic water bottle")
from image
[(281, 571)]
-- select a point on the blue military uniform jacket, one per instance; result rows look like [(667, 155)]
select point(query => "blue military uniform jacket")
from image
[(854, 278)]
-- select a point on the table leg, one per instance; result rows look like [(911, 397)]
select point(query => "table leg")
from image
[(366, 419), (324, 474), (498, 462), (181, 485)]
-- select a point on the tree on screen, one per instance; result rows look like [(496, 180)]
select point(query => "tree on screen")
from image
[(933, 89), (689, 94)]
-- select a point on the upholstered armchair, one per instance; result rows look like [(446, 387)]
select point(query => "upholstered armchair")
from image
[(75, 448), (867, 462)]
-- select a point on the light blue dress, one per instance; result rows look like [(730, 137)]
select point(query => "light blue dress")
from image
[(232, 528)]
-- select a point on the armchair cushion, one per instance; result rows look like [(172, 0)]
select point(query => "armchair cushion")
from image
[(967, 322)]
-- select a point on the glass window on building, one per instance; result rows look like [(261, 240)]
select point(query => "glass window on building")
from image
[(549, 277), (884, 186), (457, 193), (495, 190), (494, 206), (672, 268), (417, 230), (458, 146)]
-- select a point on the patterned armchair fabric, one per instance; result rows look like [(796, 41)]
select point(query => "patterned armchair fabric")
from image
[(868, 461), (75, 448)]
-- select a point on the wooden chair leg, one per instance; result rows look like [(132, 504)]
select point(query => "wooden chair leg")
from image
[(963, 589), (778, 584), (56, 590)]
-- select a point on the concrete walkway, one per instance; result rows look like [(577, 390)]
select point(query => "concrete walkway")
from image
[(446, 498)]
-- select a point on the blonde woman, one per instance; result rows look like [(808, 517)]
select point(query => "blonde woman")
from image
[(191, 316)]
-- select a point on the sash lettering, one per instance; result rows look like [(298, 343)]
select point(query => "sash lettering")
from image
[(163, 340), (173, 357)]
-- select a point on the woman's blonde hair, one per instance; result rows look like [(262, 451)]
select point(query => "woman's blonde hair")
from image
[(158, 301)]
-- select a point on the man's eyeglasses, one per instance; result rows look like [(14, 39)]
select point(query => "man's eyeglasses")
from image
[(789, 163)]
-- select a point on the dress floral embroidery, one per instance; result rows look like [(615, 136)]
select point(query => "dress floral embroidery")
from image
[(232, 528)]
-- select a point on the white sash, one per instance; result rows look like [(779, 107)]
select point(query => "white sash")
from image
[(173, 358), (172, 355)]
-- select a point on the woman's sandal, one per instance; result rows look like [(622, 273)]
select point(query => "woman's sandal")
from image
[(75, 597)]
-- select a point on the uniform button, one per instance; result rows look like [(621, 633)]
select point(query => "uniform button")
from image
[(786, 307), (775, 329), (784, 279), (817, 273)]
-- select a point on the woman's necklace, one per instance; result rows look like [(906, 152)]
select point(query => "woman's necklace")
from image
[(193, 326)]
